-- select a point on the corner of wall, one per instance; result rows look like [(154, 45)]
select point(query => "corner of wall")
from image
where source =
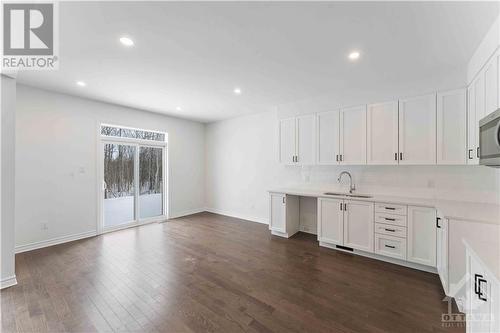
[(7, 176), (488, 45)]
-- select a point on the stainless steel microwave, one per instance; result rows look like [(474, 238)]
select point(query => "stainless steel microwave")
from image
[(489, 140)]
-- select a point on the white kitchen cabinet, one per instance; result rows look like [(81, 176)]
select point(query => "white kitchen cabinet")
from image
[(421, 235), (330, 221), (346, 222), (452, 127), (283, 214), (482, 296), (417, 130), (359, 225), (442, 252), (287, 137), (277, 215), (491, 85), (353, 135), (476, 111), (297, 140), (382, 133), (472, 127), (306, 144), (328, 138)]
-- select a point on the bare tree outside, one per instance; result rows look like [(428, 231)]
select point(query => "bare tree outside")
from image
[(132, 133), (150, 181), (119, 176), (118, 170)]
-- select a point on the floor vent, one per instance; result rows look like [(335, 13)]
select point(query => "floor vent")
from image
[(344, 248)]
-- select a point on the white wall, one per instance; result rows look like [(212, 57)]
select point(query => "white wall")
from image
[(7, 211), (56, 162), (242, 164)]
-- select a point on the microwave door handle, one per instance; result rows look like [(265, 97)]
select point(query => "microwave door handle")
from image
[(497, 134)]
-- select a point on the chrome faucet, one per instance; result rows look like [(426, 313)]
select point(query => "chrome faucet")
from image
[(351, 184)]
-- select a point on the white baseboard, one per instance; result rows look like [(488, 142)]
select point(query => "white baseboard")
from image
[(187, 212), (54, 241), (8, 282), (238, 216)]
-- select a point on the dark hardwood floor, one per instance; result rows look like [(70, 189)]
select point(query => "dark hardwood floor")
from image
[(211, 273)]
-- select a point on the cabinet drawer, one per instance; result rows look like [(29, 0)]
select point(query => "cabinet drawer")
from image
[(390, 208), (392, 230), (390, 219), (390, 246)]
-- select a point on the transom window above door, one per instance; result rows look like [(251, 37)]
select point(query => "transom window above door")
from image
[(132, 133)]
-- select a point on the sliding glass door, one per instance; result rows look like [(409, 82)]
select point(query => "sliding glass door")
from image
[(119, 184), (133, 176), (150, 182)]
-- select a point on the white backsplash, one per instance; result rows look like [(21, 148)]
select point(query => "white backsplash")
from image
[(466, 183)]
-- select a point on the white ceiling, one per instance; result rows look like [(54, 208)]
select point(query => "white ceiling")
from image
[(193, 54)]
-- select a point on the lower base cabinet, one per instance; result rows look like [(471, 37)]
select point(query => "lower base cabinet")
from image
[(407, 233), (346, 222), (482, 297), (331, 221), (283, 214), (442, 252), (358, 225), (422, 235)]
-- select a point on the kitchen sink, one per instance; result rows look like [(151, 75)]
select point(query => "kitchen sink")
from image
[(348, 195), (359, 196), (334, 193)]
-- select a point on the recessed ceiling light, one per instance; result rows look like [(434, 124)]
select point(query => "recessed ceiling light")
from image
[(178, 108), (126, 41), (237, 91), (354, 55), (81, 83)]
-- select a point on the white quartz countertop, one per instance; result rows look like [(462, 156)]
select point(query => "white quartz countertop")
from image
[(451, 209)]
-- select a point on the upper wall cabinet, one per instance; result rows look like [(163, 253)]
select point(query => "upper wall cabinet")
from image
[(422, 130), (382, 133), (328, 137), (297, 140), (483, 98), (476, 111), (353, 135), (472, 127), (306, 141), (417, 130), (452, 127)]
